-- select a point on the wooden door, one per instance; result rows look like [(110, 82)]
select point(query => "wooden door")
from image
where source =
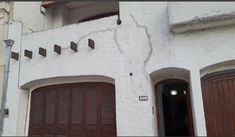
[(85, 109), (159, 105), (218, 90), (189, 111)]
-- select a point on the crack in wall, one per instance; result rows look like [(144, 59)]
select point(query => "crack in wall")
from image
[(100, 31), (149, 43), (116, 41), (94, 32), (118, 44), (104, 30)]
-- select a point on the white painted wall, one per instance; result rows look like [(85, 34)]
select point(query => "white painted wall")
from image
[(29, 13), (142, 44), (33, 20)]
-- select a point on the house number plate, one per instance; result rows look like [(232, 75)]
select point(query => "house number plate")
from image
[(143, 98)]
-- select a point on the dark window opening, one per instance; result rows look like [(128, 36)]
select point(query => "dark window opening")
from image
[(100, 16), (71, 12)]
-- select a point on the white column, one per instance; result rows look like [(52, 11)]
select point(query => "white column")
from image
[(197, 103)]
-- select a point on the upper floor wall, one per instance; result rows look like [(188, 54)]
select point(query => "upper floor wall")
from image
[(143, 37), (36, 17), (183, 16), (29, 14)]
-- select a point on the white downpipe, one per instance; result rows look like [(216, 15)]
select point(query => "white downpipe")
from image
[(9, 43)]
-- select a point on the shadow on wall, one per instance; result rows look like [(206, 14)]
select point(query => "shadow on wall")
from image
[(226, 65), (67, 79), (170, 73)]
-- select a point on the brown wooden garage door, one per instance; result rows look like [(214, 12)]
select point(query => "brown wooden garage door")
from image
[(85, 109), (218, 90)]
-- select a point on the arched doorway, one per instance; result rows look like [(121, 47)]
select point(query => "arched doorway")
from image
[(83, 109), (218, 90), (174, 111)]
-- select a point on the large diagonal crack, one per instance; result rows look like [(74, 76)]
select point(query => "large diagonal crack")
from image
[(116, 41), (119, 46), (104, 30), (149, 43), (94, 32)]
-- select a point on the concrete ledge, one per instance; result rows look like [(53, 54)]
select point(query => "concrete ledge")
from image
[(203, 23), (184, 17)]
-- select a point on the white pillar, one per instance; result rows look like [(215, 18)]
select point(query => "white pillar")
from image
[(197, 103)]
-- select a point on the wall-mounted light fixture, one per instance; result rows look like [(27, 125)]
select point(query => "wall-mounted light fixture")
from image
[(6, 112), (42, 52), (91, 43), (173, 92), (57, 49), (119, 19), (73, 46), (119, 22), (28, 53), (43, 10), (15, 55)]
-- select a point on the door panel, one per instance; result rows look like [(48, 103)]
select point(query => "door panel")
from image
[(63, 106), (37, 107), (85, 109), (189, 111), (49, 131), (91, 105), (91, 131), (77, 100), (50, 107), (218, 90), (76, 131), (107, 106), (159, 105)]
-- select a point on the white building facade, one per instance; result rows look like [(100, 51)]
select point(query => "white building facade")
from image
[(155, 41)]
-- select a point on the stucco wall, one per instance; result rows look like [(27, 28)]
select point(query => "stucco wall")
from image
[(141, 45), (30, 15), (33, 20)]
